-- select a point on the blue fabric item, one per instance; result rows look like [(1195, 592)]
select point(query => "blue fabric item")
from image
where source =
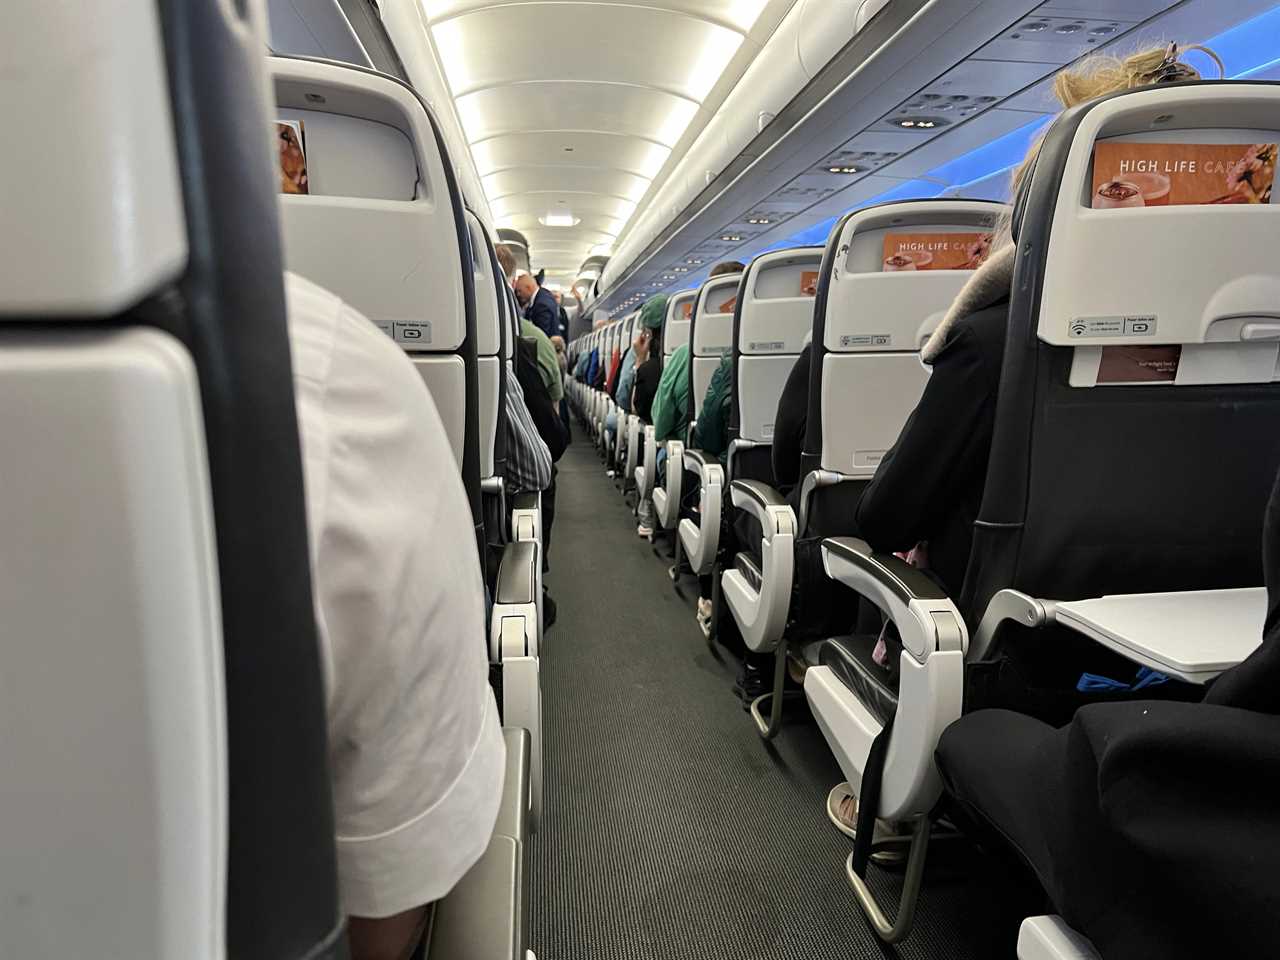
[(593, 366), (1093, 683), (626, 381), (1149, 678)]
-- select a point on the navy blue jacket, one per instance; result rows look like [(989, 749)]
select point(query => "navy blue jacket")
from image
[(544, 313)]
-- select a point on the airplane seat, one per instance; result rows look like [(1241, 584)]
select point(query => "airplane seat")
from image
[(618, 440), (156, 598), (379, 171), (490, 342), (869, 324), (1140, 362), (709, 335), (772, 316), (507, 518)]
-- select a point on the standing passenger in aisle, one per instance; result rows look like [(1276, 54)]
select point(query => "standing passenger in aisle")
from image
[(540, 307)]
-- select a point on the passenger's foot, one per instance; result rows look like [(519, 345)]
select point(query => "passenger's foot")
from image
[(751, 683), (842, 811), (644, 533), (548, 610), (704, 616)]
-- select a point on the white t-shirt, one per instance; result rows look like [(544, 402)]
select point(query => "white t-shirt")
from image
[(415, 745)]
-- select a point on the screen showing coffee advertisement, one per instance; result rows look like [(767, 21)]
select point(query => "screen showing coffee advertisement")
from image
[(934, 251), (728, 305), (1180, 174), (291, 139), (808, 283)]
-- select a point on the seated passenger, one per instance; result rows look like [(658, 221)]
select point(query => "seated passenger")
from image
[(671, 401), (599, 368), (593, 369), (550, 357), (529, 462), (711, 436), (413, 809), (562, 361), (927, 490), (648, 351), (1150, 825), (790, 424), (627, 375), (580, 368), (611, 378)]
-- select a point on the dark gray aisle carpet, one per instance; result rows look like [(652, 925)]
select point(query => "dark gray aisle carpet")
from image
[(671, 830)]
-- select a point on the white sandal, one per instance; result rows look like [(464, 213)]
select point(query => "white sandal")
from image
[(842, 792), (835, 799)]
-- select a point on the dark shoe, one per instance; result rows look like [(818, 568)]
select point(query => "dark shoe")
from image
[(751, 683), (548, 610)]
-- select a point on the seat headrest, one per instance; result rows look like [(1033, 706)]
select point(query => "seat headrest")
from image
[(891, 271), (1189, 167)]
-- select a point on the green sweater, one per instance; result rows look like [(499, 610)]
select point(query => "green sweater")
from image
[(712, 433), (548, 365), (671, 402)]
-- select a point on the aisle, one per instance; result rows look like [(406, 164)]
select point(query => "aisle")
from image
[(671, 831)]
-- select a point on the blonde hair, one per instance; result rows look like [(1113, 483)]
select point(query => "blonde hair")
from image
[(1096, 76)]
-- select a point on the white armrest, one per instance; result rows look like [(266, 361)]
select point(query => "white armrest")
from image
[(701, 540), (925, 616), (645, 472), (1193, 636), (526, 527), (666, 498), (1049, 938), (762, 615), (633, 447), (930, 683), (514, 633)]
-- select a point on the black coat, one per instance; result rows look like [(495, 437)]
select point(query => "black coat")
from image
[(790, 423), (1152, 826), (928, 488), (645, 388)]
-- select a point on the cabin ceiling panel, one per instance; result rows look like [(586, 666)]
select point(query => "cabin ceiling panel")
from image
[(530, 206), (736, 14), (584, 133), (570, 149), (501, 45), (618, 108)]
